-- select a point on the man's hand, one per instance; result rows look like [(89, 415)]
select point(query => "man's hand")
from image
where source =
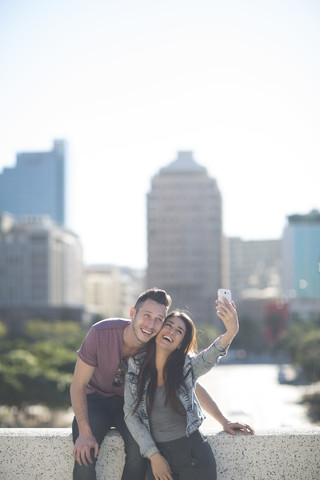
[(232, 427), (160, 467), (82, 449)]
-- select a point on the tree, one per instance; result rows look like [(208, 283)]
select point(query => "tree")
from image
[(37, 367), (302, 342)]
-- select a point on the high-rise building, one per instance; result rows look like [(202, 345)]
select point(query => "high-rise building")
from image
[(40, 264), (185, 236), (36, 185), (301, 257)]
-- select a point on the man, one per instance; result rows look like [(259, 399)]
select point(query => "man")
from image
[(97, 386)]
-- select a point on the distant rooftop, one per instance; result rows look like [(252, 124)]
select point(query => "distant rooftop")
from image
[(312, 217), (183, 162)]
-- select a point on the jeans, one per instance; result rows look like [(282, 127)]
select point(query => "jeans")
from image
[(190, 458), (106, 412)]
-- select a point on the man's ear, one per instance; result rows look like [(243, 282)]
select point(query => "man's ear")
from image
[(132, 312)]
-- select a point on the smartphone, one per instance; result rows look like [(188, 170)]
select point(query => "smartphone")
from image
[(224, 293)]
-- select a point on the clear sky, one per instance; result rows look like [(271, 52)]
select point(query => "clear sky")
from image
[(129, 83)]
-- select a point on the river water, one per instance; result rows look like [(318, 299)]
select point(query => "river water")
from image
[(252, 394)]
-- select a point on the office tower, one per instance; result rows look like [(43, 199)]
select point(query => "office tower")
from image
[(185, 236), (40, 264), (36, 185), (254, 268), (301, 257)]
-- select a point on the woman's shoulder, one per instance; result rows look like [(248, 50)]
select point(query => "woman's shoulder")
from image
[(134, 362)]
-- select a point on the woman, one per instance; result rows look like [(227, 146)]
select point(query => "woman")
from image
[(161, 409)]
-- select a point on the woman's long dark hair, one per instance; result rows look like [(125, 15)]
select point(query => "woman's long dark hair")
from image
[(173, 369)]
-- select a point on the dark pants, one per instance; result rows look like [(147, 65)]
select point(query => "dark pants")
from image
[(106, 412), (190, 458)]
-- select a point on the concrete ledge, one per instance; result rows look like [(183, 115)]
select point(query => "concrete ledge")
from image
[(46, 454)]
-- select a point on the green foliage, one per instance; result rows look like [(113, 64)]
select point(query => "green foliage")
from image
[(302, 342), (52, 354), (3, 330), (249, 337), (37, 367), (206, 334), (22, 384), (69, 334)]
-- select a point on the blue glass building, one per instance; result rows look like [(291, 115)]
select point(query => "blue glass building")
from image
[(36, 185), (301, 256)]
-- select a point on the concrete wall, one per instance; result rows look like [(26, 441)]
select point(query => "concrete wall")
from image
[(46, 454)]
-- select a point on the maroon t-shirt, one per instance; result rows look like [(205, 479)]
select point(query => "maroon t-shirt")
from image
[(102, 349)]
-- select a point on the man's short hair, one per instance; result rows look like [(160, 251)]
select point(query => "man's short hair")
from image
[(156, 294)]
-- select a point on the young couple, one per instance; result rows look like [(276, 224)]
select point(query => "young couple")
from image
[(162, 413)]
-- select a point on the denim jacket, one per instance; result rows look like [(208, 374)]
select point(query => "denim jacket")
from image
[(194, 367)]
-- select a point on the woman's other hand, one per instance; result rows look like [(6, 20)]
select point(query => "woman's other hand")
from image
[(160, 467)]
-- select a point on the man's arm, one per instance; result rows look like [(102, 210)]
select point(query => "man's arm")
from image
[(86, 441), (210, 406)]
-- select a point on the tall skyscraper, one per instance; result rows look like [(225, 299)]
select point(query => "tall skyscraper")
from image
[(185, 236), (301, 257), (36, 185)]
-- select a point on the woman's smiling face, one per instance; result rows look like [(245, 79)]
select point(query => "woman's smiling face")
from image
[(172, 333)]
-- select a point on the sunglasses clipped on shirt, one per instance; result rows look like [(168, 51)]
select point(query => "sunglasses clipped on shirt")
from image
[(119, 375)]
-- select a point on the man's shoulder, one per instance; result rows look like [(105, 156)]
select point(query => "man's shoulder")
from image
[(111, 324)]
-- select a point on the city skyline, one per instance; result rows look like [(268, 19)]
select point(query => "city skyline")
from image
[(128, 86)]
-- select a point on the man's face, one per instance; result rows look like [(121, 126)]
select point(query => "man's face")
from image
[(148, 320)]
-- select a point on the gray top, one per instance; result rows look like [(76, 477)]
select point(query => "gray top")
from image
[(167, 424)]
